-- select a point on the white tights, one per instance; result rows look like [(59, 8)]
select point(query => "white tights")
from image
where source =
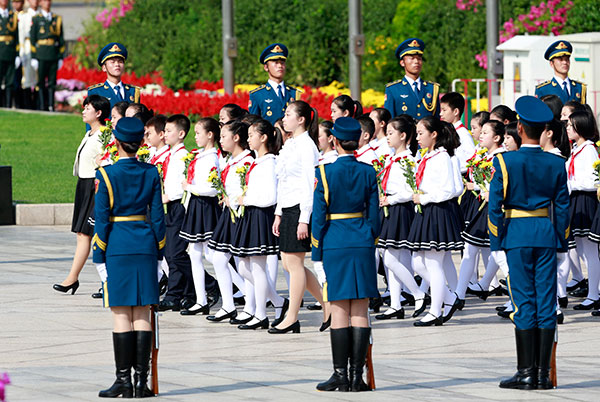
[(254, 270), (468, 266), (398, 264), (588, 250), (226, 275), (195, 251), (432, 261)]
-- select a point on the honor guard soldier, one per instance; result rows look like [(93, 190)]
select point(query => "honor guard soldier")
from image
[(9, 45), (112, 59), (270, 100), (529, 186), (559, 55), (411, 95), (29, 80), (47, 48)]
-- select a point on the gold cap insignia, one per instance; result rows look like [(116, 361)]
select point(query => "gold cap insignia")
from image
[(414, 43), (277, 49), (115, 48), (561, 45)]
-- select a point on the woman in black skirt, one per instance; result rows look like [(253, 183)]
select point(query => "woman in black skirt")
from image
[(96, 109), (436, 231)]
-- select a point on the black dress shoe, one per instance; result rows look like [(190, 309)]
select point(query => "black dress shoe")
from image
[(596, 313), (500, 308), (453, 309), (239, 301), (505, 314), (375, 304), (581, 292), (503, 282), (460, 303), (284, 310), (166, 305), (578, 285), (240, 321), (226, 316), (325, 324), (591, 306), (420, 306), (186, 303), (437, 321), (560, 318), (497, 291), (387, 300), (263, 324), (315, 306), (98, 294), (163, 284), (399, 314), (482, 294), (409, 298), (64, 289), (196, 309), (295, 328), (563, 302)]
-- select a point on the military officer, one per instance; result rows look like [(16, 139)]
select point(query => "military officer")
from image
[(527, 183), (29, 79), (412, 95), (559, 55), (271, 99), (9, 46), (47, 48)]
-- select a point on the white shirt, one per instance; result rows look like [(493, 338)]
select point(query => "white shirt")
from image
[(296, 175), (560, 83), (160, 154), (85, 160), (204, 162), (397, 189), (467, 146), (328, 157), (233, 186), (175, 172), (262, 182), (275, 85), (584, 178), (4, 12), (381, 147), (121, 89), (437, 183), (46, 15), (457, 180), (366, 155), (411, 82), (556, 151)]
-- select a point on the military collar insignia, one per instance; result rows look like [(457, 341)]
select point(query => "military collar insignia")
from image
[(414, 43), (561, 45), (115, 48)]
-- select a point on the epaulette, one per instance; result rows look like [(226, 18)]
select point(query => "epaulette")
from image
[(297, 89), (95, 86), (431, 82), (543, 84), (258, 89), (389, 84)]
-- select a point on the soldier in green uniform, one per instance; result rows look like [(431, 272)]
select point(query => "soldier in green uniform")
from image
[(9, 44), (47, 47)]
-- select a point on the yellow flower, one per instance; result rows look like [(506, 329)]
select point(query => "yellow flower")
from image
[(113, 150), (189, 157), (143, 151), (596, 164), (424, 151), (240, 170), (482, 151), (598, 143), (410, 163)]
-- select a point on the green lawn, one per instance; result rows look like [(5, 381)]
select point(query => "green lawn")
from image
[(41, 149)]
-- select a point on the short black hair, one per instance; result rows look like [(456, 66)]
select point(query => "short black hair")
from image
[(121, 107), (367, 125), (505, 113), (511, 130), (158, 122), (348, 145), (181, 122), (100, 104), (554, 103), (533, 132), (455, 101)]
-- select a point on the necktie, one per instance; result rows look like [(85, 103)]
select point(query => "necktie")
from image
[(118, 92), (280, 92), (566, 88), (416, 88)]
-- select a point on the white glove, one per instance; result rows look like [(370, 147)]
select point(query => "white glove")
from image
[(101, 268), (17, 62), (35, 64), (60, 63)]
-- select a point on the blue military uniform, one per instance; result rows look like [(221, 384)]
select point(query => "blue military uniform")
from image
[(265, 101), (577, 91), (401, 97), (130, 230), (526, 184), (345, 225)]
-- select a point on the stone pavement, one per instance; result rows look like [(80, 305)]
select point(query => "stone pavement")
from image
[(58, 347)]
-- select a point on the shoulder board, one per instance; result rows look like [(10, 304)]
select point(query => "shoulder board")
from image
[(96, 86), (435, 84), (389, 84), (575, 82), (258, 88), (543, 84)]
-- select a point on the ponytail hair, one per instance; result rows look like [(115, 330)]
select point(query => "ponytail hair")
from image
[(240, 129), (447, 136), (406, 124), (263, 127), (559, 136), (346, 103), (498, 128), (311, 118), (210, 125)]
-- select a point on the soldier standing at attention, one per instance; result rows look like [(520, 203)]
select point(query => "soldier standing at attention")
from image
[(559, 55), (29, 80), (270, 100), (9, 45), (526, 184), (411, 95)]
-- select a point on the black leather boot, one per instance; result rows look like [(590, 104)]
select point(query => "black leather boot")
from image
[(142, 364), (360, 344), (340, 347), (526, 375), (124, 346), (51, 100), (545, 345), (41, 104)]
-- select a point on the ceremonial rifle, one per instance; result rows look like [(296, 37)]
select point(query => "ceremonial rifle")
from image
[(369, 361), (553, 377)]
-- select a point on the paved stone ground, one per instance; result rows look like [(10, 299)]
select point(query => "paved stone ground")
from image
[(58, 347)]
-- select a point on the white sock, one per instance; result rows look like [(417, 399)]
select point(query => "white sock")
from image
[(262, 287), (243, 265), (165, 266), (220, 264), (562, 274), (399, 261)]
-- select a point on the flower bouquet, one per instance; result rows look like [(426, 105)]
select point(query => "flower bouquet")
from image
[(408, 166), (214, 178), (242, 173), (481, 169), (143, 153), (379, 165)]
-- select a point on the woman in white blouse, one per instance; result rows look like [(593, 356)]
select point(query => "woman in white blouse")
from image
[(96, 109)]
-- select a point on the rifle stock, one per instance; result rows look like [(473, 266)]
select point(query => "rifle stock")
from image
[(154, 359), (370, 372)]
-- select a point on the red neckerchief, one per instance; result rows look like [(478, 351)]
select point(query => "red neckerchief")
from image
[(192, 168), (421, 169), (155, 158), (572, 163), (247, 178), (168, 159), (357, 155), (386, 172), (224, 173)]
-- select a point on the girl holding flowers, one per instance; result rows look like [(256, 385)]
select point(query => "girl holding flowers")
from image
[(203, 211), (398, 197)]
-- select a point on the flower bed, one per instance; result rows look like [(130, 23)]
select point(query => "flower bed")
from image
[(206, 99)]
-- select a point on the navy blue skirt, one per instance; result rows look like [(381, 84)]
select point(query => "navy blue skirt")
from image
[(476, 233), (222, 237), (132, 280), (351, 273), (469, 206), (200, 219), (395, 228), (254, 235), (582, 210), (595, 228), (437, 228)]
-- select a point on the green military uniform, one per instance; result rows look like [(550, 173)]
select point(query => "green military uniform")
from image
[(48, 47), (9, 46)]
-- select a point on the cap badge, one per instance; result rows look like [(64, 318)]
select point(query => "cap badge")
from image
[(561, 45), (115, 48), (414, 43), (277, 49)]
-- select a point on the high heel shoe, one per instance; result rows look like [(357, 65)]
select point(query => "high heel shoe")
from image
[(295, 328), (399, 314), (284, 310), (437, 321), (325, 324), (227, 315), (64, 289), (262, 324), (196, 309)]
